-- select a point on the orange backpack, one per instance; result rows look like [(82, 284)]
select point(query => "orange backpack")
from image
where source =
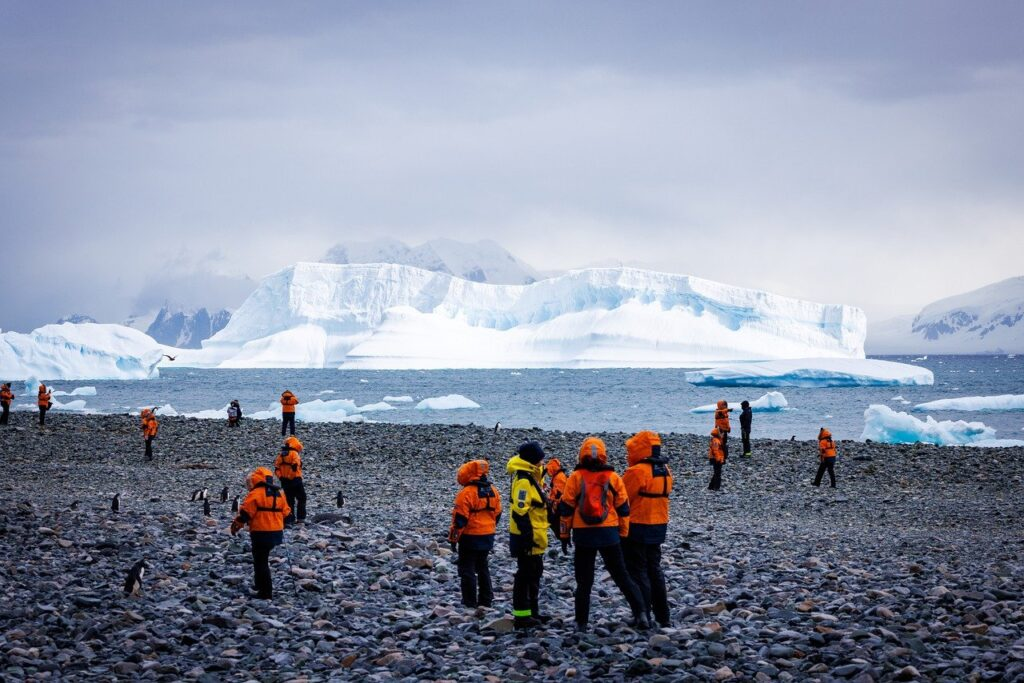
[(593, 500)]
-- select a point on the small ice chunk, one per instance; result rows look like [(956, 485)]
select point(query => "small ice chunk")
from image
[(398, 399), (975, 403), (772, 402), (375, 407), (882, 423), (449, 402)]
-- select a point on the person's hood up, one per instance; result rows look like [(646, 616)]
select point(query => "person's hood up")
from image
[(471, 471), (553, 467), (287, 394), (715, 432), (260, 475), (146, 412), (42, 388), (642, 445), (824, 434), (722, 405), (517, 464), (593, 449), (293, 443)]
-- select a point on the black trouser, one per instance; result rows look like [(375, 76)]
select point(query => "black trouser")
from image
[(526, 585), (42, 414), (287, 420), (725, 444), (583, 565), (826, 464), (474, 574), (716, 478), (149, 448), (295, 494), (745, 433), (643, 561), (6, 408), (261, 568)]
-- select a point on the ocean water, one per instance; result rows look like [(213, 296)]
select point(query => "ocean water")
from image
[(582, 400)]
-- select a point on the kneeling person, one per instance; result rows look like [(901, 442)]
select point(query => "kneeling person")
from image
[(474, 519), (264, 511)]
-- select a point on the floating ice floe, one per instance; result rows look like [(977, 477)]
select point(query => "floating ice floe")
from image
[(449, 402), (398, 399), (78, 391), (771, 402), (812, 372), (975, 403), (882, 423), (77, 406), (375, 407), (900, 399), (79, 351)]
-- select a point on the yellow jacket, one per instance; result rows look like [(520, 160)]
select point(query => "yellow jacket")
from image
[(528, 523)]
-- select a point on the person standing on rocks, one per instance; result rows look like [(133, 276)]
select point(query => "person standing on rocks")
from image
[(528, 533), (648, 482), (722, 423), (826, 457), (235, 414), (556, 485), (716, 456), (6, 396), (594, 514), (746, 417), (149, 429), (475, 517), (264, 511), (288, 403), (45, 402), (288, 468)]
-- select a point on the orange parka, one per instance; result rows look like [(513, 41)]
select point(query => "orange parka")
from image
[(44, 397), (477, 507), (648, 482), (288, 464), (715, 451), (594, 485), (265, 507), (826, 446), (149, 424), (722, 417), (556, 482), (288, 402), (6, 396)]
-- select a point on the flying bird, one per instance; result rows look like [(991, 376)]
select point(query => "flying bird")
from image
[(170, 358), (133, 582), (115, 502)]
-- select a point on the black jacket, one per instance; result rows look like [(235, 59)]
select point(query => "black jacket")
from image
[(745, 418)]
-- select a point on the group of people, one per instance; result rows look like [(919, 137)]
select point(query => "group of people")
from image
[(44, 401)]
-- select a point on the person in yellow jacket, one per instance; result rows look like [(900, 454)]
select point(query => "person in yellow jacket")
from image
[(595, 510), (826, 457), (528, 533)]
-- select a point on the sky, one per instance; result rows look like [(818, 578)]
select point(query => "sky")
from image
[(864, 153)]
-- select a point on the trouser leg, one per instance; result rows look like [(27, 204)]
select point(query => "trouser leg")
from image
[(725, 444), (289, 495), (821, 471), (42, 416), (299, 492), (583, 568), (149, 448), (467, 575), (616, 566), (746, 441), (831, 465), (521, 586), (716, 477), (656, 578), (635, 555), (5, 411), (261, 569), (483, 574), (536, 572), (290, 422)]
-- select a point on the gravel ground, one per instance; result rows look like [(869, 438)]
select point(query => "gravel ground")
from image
[(912, 569)]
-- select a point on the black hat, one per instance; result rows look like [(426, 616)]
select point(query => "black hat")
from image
[(745, 404), (531, 452)]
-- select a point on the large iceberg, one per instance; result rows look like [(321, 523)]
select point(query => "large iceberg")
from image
[(79, 351), (975, 403), (813, 372), (882, 423), (772, 402), (401, 317)]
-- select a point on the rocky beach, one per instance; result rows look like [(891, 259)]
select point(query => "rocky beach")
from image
[(912, 569)]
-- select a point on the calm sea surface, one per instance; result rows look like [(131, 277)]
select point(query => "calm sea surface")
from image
[(584, 400)]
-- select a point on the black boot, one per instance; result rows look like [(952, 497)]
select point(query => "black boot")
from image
[(524, 623)]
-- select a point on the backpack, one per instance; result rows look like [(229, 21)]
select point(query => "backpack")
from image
[(659, 470), (593, 500), (485, 492)]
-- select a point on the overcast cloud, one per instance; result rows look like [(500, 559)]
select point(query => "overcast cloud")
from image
[(864, 153)]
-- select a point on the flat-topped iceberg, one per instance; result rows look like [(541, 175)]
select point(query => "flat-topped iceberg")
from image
[(812, 372), (79, 351), (449, 402), (771, 402), (975, 403), (882, 423)]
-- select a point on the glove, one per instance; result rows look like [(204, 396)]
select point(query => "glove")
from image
[(566, 542), (454, 547), (236, 526)]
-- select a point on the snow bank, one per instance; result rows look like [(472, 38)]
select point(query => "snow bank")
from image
[(400, 317), (398, 399), (449, 402), (79, 391), (771, 402), (812, 372), (882, 423), (975, 403), (77, 352)]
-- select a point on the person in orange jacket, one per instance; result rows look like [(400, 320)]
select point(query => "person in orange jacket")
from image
[(6, 396), (556, 485), (475, 517), (826, 457), (149, 429), (648, 482), (288, 403), (264, 510), (44, 402), (722, 423), (716, 456), (595, 510), (288, 469)]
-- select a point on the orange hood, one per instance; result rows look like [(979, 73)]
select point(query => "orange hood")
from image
[(553, 466), (293, 443), (593, 449), (824, 434), (638, 446), (261, 475), (715, 432), (722, 405), (472, 471), (146, 412)]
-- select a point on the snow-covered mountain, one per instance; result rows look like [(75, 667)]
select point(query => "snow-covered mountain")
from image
[(398, 316), (483, 261), (186, 329), (76, 318), (986, 320)]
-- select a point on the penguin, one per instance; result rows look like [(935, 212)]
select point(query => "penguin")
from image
[(234, 504), (195, 495), (224, 495), (341, 499), (497, 427), (74, 504), (133, 582), (206, 507), (115, 502), (205, 495), (793, 438)]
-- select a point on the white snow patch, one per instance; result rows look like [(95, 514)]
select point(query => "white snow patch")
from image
[(771, 402), (883, 424), (398, 399), (449, 402), (78, 391), (975, 403), (813, 372)]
